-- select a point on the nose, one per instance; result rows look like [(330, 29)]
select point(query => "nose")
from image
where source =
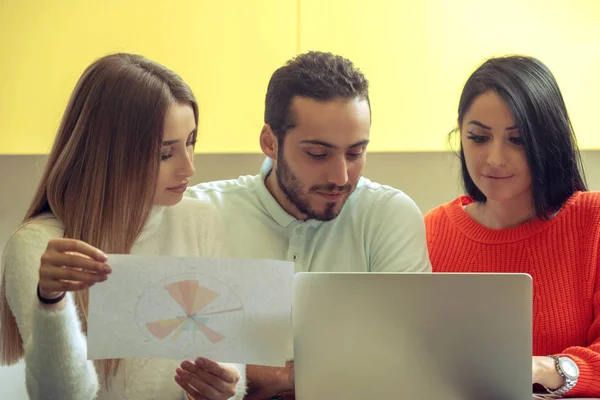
[(498, 155), (338, 172), (186, 167)]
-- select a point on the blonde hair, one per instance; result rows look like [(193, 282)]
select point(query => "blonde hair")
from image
[(101, 174)]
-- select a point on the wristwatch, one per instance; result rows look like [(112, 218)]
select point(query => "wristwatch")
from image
[(568, 370)]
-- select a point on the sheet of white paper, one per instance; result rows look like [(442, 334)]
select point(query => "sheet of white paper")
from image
[(228, 310)]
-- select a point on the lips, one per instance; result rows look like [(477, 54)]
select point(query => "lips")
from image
[(178, 189), (497, 177), (331, 196)]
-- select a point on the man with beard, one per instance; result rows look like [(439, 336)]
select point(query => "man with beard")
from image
[(309, 204)]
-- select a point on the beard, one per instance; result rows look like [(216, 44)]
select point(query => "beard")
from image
[(293, 189)]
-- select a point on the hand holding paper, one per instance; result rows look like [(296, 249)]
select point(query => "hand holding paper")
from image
[(227, 310), (206, 379)]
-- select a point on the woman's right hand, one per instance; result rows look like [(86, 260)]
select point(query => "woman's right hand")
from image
[(70, 265)]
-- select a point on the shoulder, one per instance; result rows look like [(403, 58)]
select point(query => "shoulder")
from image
[(585, 202), (234, 198), (36, 232), (442, 212), (217, 189), (383, 208), (439, 220), (581, 214), (375, 197), (436, 214), (30, 240)]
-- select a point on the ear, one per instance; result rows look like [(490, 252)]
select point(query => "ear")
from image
[(268, 142)]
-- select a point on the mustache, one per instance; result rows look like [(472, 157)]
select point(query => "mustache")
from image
[(330, 188)]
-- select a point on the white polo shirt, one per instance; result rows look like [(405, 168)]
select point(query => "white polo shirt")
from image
[(379, 229)]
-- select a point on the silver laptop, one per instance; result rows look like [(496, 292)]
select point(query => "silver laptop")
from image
[(360, 336)]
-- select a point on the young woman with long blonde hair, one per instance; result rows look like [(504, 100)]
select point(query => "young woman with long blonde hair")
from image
[(113, 183)]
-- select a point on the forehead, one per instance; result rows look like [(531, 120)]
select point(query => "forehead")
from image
[(490, 109), (179, 121), (338, 121)]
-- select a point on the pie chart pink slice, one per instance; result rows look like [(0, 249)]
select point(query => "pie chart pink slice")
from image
[(190, 295), (210, 334)]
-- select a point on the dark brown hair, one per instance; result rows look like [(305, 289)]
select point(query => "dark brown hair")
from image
[(530, 90), (317, 75)]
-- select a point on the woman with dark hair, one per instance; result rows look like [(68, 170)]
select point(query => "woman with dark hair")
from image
[(526, 210)]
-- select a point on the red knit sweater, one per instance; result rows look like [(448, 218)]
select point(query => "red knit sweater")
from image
[(562, 257)]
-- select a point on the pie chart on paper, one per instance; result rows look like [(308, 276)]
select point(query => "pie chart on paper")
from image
[(190, 310)]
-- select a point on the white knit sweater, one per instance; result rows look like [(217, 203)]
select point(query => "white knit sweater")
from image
[(55, 346)]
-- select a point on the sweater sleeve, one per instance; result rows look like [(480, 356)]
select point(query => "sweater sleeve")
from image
[(56, 365), (241, 386), (588, 358)]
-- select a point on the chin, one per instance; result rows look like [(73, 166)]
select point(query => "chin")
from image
[(327, 214)]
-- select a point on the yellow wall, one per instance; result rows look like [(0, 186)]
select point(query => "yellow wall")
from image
[(417, 55), (225, 49)]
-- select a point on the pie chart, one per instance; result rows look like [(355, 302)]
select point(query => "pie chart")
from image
[(190, 310)]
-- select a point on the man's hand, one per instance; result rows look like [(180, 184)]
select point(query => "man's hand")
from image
[(266, 382)]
